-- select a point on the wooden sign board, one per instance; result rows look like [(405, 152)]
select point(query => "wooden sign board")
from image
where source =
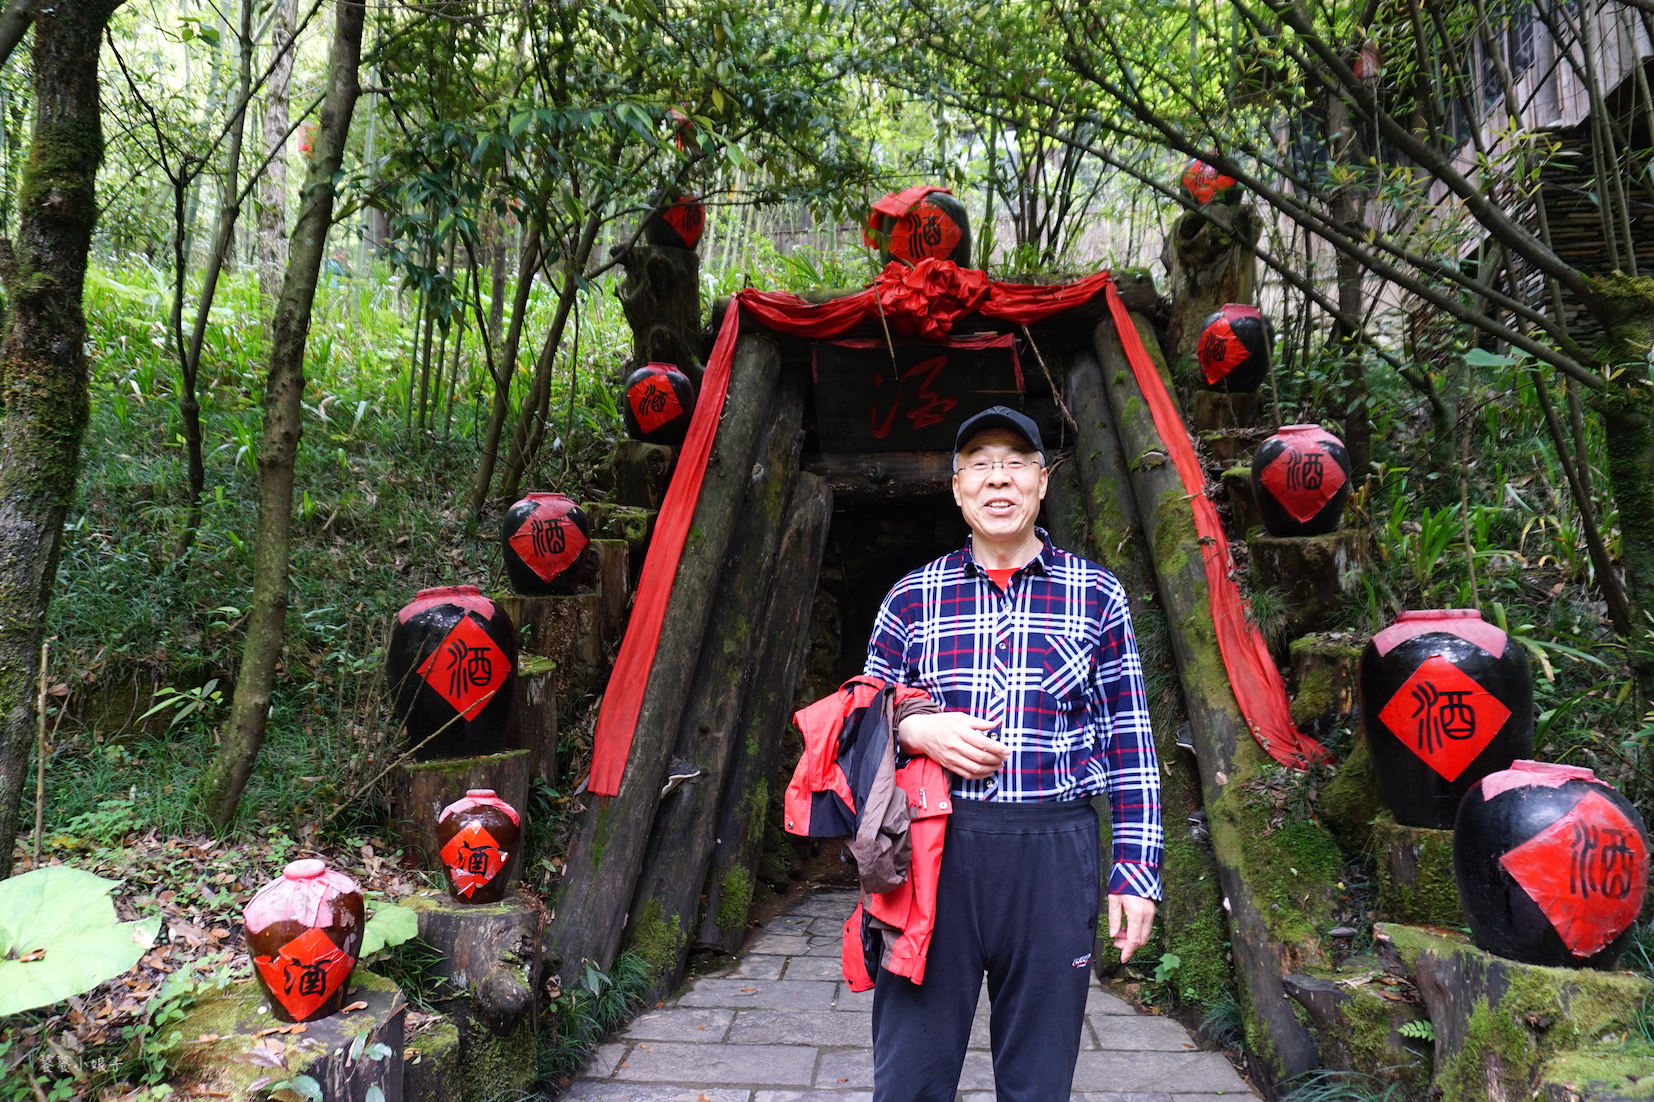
[(868, 402)]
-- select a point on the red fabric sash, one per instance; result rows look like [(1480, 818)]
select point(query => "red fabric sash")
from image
[(1258, 687), (909, 299)]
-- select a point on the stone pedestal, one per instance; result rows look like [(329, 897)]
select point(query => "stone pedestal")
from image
[(638, 473), (1323, 672), (1243, 505), (1357, 1018), (420, 790), (1513, 1031), (533, 725), (1311, 573), (627, 523), (231, 1047), (1216, 409), (1415, 874), (490, 953), (566, 630)]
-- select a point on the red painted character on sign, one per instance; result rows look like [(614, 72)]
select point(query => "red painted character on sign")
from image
[(548, 536), (1442, 714), (468, 666), (1304, 470), (934, 408)]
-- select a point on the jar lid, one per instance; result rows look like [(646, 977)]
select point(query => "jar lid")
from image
[(307, 869), (449, 591), (480, 793), (1527, 773), (1299, 428), (1439, 614), (1466, 623)]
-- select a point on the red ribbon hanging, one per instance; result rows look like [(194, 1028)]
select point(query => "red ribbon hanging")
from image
[(928, 300)]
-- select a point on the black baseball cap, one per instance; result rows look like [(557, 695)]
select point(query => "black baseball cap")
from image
[(999, 417)]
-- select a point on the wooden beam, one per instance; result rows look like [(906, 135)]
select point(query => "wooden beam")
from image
[(863, 475)]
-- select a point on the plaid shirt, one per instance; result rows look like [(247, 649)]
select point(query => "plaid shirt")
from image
[(1054, 663)]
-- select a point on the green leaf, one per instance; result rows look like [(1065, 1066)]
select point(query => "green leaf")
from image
[(1481, 357), (389, 925), (66, 913), (1169, 963)]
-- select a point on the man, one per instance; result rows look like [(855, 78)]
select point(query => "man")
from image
[(1030, 652)]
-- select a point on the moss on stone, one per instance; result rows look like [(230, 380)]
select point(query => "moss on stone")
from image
[(1601, 1073), (499, 1067), (657, 938), (458, 767), (1326, 673), (1352, 800), (432, 1071), (1292, 872), (734, 898), (1415, 874)]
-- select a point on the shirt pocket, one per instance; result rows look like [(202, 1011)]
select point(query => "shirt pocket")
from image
[(1066, 666)]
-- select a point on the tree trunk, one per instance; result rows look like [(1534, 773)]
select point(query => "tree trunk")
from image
[(243, 734), (1209, 265), (14, 24), (662, 301), (1628, 420), (1278, 1045), (685, 830), (1348, 209), (229, 211), (755, 775), (607, 849), (505, 371), (43, 372), (1192, 922), (271, 201)]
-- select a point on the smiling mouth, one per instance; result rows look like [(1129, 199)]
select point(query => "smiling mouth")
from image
[(999, 505)]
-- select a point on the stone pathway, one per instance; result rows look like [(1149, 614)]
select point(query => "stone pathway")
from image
[(781, 1026)]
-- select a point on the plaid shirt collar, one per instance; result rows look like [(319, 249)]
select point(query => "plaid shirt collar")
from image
[(1039, 564)]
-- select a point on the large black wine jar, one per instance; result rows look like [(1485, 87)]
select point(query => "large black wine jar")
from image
[(1300, 480), (1446, 699), (658, 404), (452, 655), (547, 542), (935, 226), (1552, 865), (1233, 349), (677, 222)]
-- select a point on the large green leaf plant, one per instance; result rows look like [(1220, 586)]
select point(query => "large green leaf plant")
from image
[(59, 936)]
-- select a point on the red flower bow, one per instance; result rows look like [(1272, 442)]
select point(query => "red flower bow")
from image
[(928, 298)]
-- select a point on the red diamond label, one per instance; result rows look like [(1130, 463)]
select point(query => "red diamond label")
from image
[(1442, 715), (467, 669), (1587, 872), (1204, 182), (305, 972), (926, 230), (473, 858), (654, 402), (548, 542), (1303, 480), (688, 218), (1220, 351)]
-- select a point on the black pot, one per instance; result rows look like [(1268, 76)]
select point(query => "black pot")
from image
[(452, 656), (659, 403), (1204, 184), (1300, 480), (1446, 699), (547, 542), (1234, 349), (1552, 865), (936, 226), (677, 222)]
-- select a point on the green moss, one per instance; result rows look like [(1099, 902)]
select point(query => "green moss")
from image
[(657, 938), (1372, 1044), (1292, 872), (458, 767), (1602, 1073), (1324, 670), (498, 1067), (433, 1071), (1352, 800), (534, 665), (1191, 921), (1415, 874), (734, 898)]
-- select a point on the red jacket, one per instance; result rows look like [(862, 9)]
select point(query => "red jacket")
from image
[(844, 785)]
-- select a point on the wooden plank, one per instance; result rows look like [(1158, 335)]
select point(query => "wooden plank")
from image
[(869, 398), (611, 833), (758, 771), (861, 475), (685, 832)]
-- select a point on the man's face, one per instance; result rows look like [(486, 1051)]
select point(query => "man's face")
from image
[(999, 503)]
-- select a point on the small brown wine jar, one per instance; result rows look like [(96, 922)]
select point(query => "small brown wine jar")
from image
[(304, 931), (477, 837)]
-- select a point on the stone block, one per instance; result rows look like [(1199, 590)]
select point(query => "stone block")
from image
[(761, 994), (809, 968), (1503, 1027), (1311, 574), (1415, 874), (1141, 1033), (638, 473), (822, 1028), (697, 1025), (1243, 504), (851, 1069), (230, 1046), (718, 1065), (1323, 670), (419, 790), (569, 632), (1359, 1029)]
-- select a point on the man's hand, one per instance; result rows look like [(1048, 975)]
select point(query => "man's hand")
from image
[(954, 741), (1130, 918)]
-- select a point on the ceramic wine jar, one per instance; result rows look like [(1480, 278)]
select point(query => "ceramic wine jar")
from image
[(1446, 699), (1551, 864), (1234, 349), (936, 226), (658, 405), (1300, 480), (547, 543), (1205, 184), (678, 222), (452, 655), (477, 837), (304, 931)]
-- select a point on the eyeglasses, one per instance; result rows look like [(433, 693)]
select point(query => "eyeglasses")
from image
[(1013, 465)]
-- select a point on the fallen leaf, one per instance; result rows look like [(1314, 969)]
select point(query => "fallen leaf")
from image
[(358, 1005), (38, 954)]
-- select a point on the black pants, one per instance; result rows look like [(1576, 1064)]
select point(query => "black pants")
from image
[(1017, 900)]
